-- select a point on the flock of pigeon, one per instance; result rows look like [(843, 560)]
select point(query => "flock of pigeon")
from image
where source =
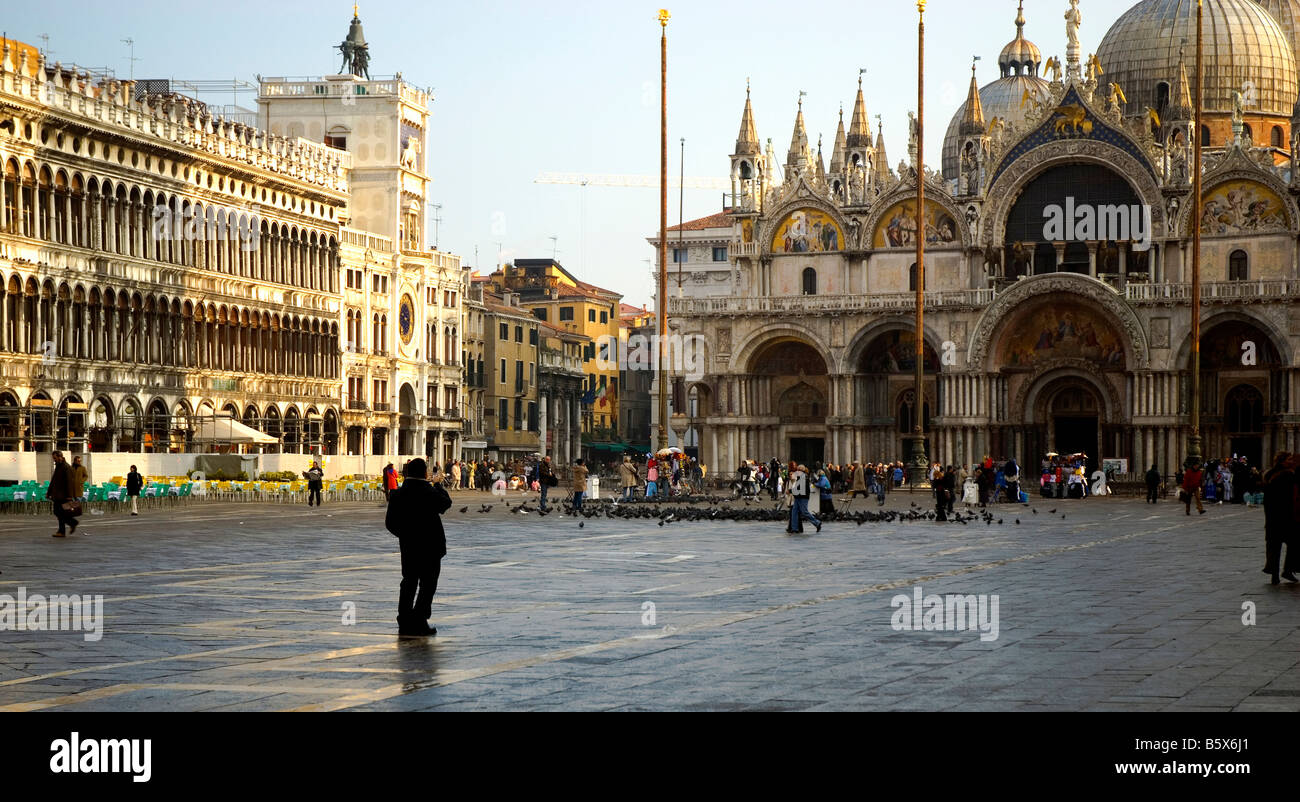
[(712, 508)]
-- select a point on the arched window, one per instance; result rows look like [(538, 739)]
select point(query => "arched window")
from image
[(746, 172), (809, 281), (1238, 266), (911, 278), (1205, 136), (1276, 138), (1247, 134)]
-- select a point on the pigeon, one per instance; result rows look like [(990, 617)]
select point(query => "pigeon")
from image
[(1051, 512), (1035, 510), (1062, 516), (464, 509), (580, 524), (1017, 522)]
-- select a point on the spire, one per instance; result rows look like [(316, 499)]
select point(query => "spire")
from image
[(837, 156), (973, 120), (747, 141), (1020, 56), (1182, 105), (882, 161), (821, 163), (859, 128), (799, 154)]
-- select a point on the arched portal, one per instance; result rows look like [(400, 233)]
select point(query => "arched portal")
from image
[(786, 376), (1243, 386), (406, 420), (885, 393)]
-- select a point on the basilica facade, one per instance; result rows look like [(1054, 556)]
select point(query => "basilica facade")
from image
[(1057, 270)]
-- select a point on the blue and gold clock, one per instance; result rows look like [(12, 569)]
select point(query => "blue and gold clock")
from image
[(406, 319)]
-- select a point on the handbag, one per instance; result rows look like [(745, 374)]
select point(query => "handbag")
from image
[(72, 507)]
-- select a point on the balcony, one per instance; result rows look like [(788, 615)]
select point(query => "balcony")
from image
[(1213, 291), (974, 299), (383, 406), (433, 412), (742, 249), (360, 406)]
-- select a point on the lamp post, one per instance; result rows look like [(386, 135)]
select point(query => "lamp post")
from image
[(918, 460), (1194, 437), (663, 226)]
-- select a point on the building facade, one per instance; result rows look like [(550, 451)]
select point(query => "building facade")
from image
[(401, 311), (161, 267), (511, 344), (1057, 271), (557, 297)]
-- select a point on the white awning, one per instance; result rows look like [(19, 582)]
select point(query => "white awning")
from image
[(223, 429)]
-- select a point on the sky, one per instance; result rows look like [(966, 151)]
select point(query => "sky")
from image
[(523, 88)]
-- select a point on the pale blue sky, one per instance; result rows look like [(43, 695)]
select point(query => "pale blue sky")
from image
[(527, 87)]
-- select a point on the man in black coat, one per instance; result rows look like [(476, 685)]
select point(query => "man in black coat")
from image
[(60, 491), (1280, 517), (413, 516), (1153, 483)]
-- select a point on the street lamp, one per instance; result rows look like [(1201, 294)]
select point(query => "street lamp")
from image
[(1194, 437), (663, 226)]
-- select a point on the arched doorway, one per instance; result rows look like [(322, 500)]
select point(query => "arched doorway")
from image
[(100, 436), (273, 428), (406, 420), (1074, 413), (1243, 423), (330, 433), (130, 426), (885, 394), (292, 431), (1243, 384), (10, 422), (789, 375), (157, 427)]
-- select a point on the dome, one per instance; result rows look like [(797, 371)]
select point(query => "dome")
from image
[(1020, 56), (1244, 46), (1002, 98), (1018, 63), (1287, 14)]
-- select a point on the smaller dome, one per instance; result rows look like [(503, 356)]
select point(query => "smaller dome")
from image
[(1020, 56)]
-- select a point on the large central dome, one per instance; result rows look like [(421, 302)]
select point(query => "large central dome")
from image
[(1245, 50)]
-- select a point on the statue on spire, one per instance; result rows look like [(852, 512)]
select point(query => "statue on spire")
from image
[(1072, 51), (356, 53)]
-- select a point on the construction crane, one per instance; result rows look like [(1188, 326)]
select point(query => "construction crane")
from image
[(638, 181)]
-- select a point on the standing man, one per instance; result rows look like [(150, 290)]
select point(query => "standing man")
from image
[(60, 496), (799, 490), (1192, 488), (134, 481), (1280, 516), (579, 485), (423, 543), (315, 478), (1153, 484), (79, 477), (390, 480), (627, 477), (545, 480)]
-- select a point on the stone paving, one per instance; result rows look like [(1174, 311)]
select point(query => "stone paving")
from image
[(242, 606)]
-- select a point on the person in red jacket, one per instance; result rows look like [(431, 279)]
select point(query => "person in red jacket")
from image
[(1192, 488)]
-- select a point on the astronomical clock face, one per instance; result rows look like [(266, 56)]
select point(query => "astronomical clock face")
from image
[(406, 319)]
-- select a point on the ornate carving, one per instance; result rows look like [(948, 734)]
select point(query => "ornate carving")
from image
[(1159, 332), (1065, 368), (1092, 290)]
